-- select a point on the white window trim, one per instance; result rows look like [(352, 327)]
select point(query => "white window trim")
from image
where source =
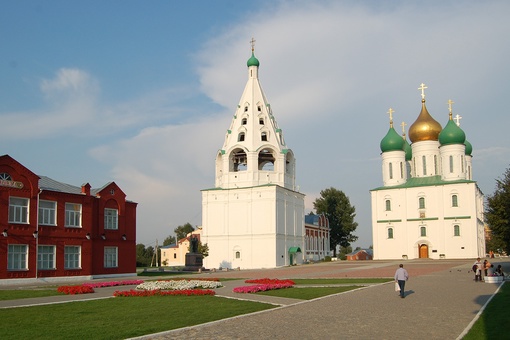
[(66, 259), (24, 211), (111, 222), (42, 211), (19, 254), (40, 261), (67, 225), (114, 258)]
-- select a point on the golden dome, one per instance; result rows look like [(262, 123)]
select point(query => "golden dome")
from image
[(425, 127)]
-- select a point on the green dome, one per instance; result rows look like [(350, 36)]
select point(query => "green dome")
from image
[(253, 61), (451, 134), (392, 141), (469, 148), (408, 150)]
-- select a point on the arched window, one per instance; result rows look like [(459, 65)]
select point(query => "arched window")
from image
[(423, 231), (435, 164), (246, 109), (424, 161), (455, 202), (421, 202), (456, 230), (259, 108), (266, 160), (263, 136), (388, 205), (244, 121), (241, 137), (391, 170), (238, 254), (401, 170), (390, 232), (451, 163), (261, 121)]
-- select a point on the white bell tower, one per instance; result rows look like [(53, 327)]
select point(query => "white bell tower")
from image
[(253, 215)]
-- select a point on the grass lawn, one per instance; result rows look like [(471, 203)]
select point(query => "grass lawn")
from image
[(10, 294), (307, 293), (119, 318), (494, 321)]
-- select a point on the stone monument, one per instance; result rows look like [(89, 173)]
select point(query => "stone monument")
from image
[(194, 259)]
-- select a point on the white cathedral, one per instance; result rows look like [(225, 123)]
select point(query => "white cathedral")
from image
[(254, 215), (429, 205)]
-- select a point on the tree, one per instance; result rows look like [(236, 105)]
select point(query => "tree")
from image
[(344, 251), (336, 206), (143, 255), (183, 230), (497, 215), (169, 240), (203, 249)]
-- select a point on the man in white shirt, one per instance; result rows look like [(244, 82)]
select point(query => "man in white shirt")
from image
[(401, 276)]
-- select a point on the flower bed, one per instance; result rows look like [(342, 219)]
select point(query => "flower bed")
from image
[(264, 285), (72, 290), (113, 283), (178, 285), (143, 293)]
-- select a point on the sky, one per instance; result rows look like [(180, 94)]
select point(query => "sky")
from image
[(142, 92)]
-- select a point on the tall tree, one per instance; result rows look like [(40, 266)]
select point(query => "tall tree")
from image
[(182, 230), (336, 206), (169, 240), (497, 215)]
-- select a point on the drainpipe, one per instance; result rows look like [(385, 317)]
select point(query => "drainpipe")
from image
[(37, 234)]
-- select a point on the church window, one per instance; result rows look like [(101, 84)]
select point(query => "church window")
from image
[(390, 232), (175, 255), (423, 231), (259, 108), (263, 137), (238, 254), (391, 170), (455, 202), (424, 161), (456, 230), (241, 137), (451, 164), (244, 121), (435, 164), (246, 109), (388, 205), (238, 160), (401, 170), (421, 202), (414, 166), (261, 121), (462, 163)]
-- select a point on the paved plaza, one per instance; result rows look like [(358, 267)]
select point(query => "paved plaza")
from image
[(441, 301)]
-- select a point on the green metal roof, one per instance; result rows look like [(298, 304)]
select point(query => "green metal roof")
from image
[(294, 250), (423, 182)]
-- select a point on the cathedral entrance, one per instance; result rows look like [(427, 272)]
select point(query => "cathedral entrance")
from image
[(424, 251)]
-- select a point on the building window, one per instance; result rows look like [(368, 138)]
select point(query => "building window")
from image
[(451, 164), (246, 109), (456, 230), (241, 137), (244, 121), (391, 170), (47, 212), (45, 257), (401, 170), (17, 257), (261, 121), (18, 210), (259, 108), (73, 215), (390, 232), (421, 202), (5, 176), (238, 254), (435, 164), (424, 161), (388, 205), (423, 231), (111, 220), (455, 202), (72, 257), (110, 257), (263, 137), (175, 255)]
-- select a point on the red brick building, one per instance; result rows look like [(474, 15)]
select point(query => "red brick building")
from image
[(50, 229), (317, 237)]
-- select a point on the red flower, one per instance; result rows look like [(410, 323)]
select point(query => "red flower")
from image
[(72, 290)]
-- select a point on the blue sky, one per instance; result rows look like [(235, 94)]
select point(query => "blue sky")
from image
[(141, 93)]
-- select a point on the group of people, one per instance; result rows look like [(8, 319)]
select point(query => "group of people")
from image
[(485, 268)]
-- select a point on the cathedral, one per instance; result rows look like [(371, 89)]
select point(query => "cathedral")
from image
[(254, 215), (429, 205)]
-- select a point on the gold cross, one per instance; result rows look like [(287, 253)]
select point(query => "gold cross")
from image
[(457, 119), (390, 112), (450, 102), (403, 127), (422, 88), (252, 42)]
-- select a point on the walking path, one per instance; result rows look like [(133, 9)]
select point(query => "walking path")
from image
[(441, 301)]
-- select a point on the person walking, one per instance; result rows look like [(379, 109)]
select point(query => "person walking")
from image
[(401, 276), (477, 268)]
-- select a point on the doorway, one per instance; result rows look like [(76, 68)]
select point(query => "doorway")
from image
[(424, 251)]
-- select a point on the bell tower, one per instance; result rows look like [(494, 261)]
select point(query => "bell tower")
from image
[(254, 214)]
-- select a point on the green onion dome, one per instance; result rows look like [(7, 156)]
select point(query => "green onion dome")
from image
[(452, 134), (392, 141), (469, 148), (253, 61)]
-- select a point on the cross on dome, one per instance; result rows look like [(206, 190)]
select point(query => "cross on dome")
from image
[(457, 119), (422, 88), (403, 125), (450, 102), (252, 42), (390, 113)]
